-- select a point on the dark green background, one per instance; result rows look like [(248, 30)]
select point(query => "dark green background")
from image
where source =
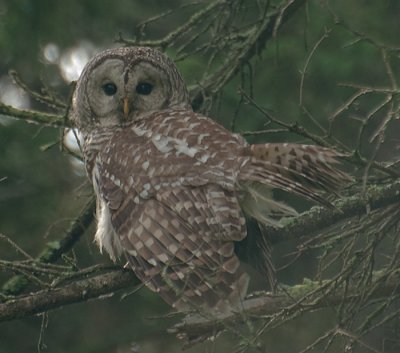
[(43, 191)]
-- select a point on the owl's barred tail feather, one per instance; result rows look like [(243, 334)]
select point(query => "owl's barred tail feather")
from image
[(301, 169)]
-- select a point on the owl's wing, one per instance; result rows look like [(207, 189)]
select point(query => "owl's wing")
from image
[(174, 223), (177, 257)]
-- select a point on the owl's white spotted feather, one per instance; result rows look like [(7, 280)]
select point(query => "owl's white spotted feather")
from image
[(172, 185)]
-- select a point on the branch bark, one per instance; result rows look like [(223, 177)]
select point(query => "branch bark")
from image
[(193, 329), (317, 218), (35, 117), (75, 292)]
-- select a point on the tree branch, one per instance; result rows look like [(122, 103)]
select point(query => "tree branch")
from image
[(55, 249), (35, 117), (196, 328), (74, 233), (318, 218), (254, 44), (307, 223), (75, 292)]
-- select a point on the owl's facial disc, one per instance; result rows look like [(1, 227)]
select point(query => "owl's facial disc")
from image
[(120, 92), (125, 84)]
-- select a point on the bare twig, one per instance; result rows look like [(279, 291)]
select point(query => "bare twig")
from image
[(50, 101), (54, 250), (305, 68)]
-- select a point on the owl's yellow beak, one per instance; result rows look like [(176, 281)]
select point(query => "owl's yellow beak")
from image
[(126, 107)]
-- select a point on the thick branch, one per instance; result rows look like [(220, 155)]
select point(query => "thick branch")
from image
[(297, 297), (318, 217), (74, 292)]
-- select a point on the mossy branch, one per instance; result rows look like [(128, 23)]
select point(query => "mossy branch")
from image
[(297, 299), (318, 218), (32, 116), (74, 292)]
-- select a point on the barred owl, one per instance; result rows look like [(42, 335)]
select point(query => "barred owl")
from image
[(173, 186)]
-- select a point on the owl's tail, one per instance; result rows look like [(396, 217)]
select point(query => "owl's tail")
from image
[(301, 169)]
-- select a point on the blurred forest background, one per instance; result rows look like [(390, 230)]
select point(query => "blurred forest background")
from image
[(330, 67)]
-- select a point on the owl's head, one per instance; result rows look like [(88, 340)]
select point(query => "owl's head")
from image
[(123, 84)]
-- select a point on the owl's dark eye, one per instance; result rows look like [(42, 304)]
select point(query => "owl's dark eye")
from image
[(109, 89), (144, 88)]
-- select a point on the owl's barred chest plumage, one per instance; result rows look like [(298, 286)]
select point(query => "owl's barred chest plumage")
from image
[(173, 186)]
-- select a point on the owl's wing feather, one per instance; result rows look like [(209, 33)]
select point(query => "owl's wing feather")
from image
[(309, 165), (302, 169), (212, 208), (177, 259)]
